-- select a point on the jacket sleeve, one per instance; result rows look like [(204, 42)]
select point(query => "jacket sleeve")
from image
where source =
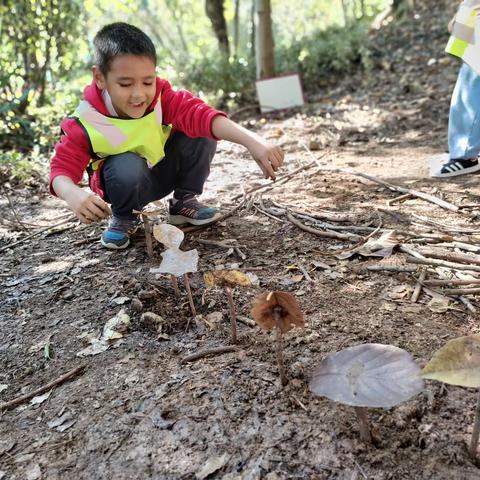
[(187, 113), (72, 153)]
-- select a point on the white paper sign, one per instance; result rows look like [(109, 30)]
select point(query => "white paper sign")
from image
[(279, 92)]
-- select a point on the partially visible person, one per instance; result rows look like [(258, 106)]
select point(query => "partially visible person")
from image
[(464, 116)]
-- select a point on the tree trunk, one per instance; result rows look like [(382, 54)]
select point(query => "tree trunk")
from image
[(236, 28), (264, 40), (215, 12)]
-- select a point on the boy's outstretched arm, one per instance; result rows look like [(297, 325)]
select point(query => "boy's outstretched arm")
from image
[(87, 206), (269, 157)]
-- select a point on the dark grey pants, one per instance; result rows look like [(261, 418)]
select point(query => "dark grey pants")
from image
[(130, 185)]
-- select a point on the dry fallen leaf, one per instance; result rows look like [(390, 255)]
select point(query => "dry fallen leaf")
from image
[(169, 235), (176, 262), (289, 311), (370, 375), (381, 247), (226, 278), (456, 363)]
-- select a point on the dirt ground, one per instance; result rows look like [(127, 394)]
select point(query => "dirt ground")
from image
[(137, 412)]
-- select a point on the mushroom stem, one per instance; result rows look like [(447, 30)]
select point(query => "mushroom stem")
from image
[(190, 298), (476, 431), (148, 234), (363, 424), (233, 314), (175, 285), (279, 339)]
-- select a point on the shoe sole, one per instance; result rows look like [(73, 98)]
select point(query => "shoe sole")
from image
[(113, 246), (457, 173), (181, 220)]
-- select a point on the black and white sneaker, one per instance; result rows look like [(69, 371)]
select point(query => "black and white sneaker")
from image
[(455, 167)]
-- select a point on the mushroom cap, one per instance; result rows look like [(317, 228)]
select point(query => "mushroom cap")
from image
[(226, 278), (289, 313)]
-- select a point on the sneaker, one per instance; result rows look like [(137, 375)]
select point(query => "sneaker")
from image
[(117, 235), (454, 167), (190, 210)]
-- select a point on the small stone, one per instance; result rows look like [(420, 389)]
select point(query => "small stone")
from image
[(137, 305)]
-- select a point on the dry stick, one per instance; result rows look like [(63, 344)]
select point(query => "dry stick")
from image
[(452, 257), (189, 292), (194, 228), (440, 263), (233, 314), (392, 268), (467, 303), (390, 186), (440, 283), (363, 424), (279, 181), (175, 285), (34, 234), (217, 244), (17, 218), (210, 351), (338, 236), (476, 431), (442, 226), (279, 341), (419, 285), (38, 391), (148, 234), (461, 291), (401, 198)]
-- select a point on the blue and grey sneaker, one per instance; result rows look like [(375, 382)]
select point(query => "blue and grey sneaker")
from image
[(190, 210), (117, 235)]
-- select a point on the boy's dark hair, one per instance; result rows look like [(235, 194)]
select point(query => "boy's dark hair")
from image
[(121, 39)]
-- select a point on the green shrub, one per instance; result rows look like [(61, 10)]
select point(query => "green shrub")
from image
[(326, 55)]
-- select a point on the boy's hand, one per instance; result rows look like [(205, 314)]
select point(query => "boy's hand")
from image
[(88, 207), (268, 157)]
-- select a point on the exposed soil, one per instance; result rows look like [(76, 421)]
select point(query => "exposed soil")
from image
[(137, 412)]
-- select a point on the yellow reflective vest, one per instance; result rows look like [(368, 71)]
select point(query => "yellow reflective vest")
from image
[(144, 136), (465, 39)]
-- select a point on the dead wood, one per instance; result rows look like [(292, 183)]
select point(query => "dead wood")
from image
[(419, 285), (392, 268), (453, 281), (441, 263), (461, 291), (452, 257), (34, 234), (350, 237), (210, 351), (19, 400)]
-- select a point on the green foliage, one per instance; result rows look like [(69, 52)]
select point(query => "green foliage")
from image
[(220, 81), (325, 55)]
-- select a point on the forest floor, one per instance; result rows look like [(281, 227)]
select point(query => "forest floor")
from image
[(136, 411)]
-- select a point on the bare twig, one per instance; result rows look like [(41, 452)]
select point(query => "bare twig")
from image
[(338, 236), (467, 303), (39, 391), (210, 351), (392, 268), (461, 291), (418, 286), (401, 198), (453, 281), (34, 234), (17, 218)]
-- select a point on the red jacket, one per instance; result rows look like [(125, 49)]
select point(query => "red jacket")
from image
[(183, 110)]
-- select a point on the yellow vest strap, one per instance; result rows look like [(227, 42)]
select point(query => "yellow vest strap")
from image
[(102, 124)]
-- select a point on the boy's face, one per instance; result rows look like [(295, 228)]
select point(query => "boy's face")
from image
[(130, 82)]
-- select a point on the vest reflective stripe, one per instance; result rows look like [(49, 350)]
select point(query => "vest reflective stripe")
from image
[(463, 32), (465, 39), (144, 136)]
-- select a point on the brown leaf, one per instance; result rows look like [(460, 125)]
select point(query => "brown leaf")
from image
[(277, 309)]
